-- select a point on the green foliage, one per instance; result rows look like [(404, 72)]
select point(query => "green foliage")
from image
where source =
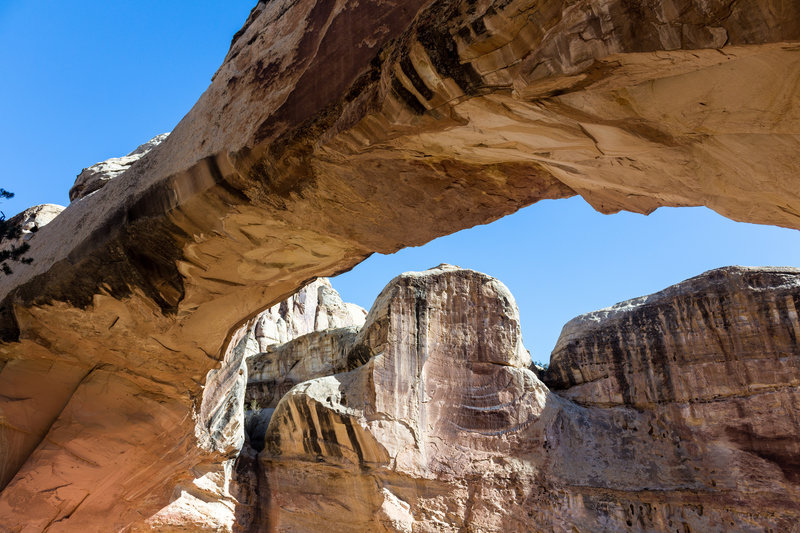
[(9, 231), (545, 366)]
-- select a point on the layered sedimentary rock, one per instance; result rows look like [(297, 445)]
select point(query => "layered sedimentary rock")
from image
[(211, 500), (444, 428), (727, 333), (273, 373), (443, 391), (337, 129)]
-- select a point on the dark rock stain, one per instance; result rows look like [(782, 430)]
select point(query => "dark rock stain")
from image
[(443, 52), (784, 452), (358, 356), (407, 97), (310, 436), (351, 434), (419, 84)]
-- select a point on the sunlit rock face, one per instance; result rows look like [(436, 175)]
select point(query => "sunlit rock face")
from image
[(214, 499), (316, 307), (441, 426), (27, 225), (700, 386), (96, 176), (334, 130), (672, 346), (30, 221), (442, 393)]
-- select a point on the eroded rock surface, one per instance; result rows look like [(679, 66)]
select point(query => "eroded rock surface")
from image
[(96, 176), (29, 222), (444, 428), (730, 332), (316, 307), (443, 391), (16, 377), (334, 130), (313, 321), (217, 497), (32, 219)]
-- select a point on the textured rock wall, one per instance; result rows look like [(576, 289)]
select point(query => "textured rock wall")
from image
[(17, 377), (671, 346), (444, 392), (444, 428), (216, 498), (337, 129), (314, 308)]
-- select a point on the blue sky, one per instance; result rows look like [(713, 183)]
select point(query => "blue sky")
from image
[(87, 80)]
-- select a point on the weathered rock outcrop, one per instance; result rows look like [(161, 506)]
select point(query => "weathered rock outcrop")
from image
[(24, 227), (443, 428), (316, 307), (728, 333), (31, 220), (18, 376), (96, 176), (212, 500), (273, 373), (313, 321), (443, 391), (337, 129)]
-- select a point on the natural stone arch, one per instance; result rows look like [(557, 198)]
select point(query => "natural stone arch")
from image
[(333, 131)]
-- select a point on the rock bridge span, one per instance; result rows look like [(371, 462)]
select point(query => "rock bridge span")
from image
[(337, 129)]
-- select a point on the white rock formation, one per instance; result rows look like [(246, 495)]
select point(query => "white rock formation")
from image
[(316, 307), (96, 176), (29, 222)]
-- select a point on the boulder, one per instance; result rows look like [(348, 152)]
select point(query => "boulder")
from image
[(96, 176)]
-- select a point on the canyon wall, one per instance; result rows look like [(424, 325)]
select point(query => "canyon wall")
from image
[(334, 130), (442, 427)]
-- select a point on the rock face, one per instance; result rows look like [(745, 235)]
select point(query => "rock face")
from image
[(274, 364), (334, 130), (96, 176), (211, 500), (29, 222), (441, 392), (18, 376), (34, 218), (316, 307), (729, 333), (442, 427), (712, 367)]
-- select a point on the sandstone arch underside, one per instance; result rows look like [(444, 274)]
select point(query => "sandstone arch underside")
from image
[(336, 129)]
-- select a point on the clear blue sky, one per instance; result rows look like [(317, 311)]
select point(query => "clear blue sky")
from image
[(87, 80)]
